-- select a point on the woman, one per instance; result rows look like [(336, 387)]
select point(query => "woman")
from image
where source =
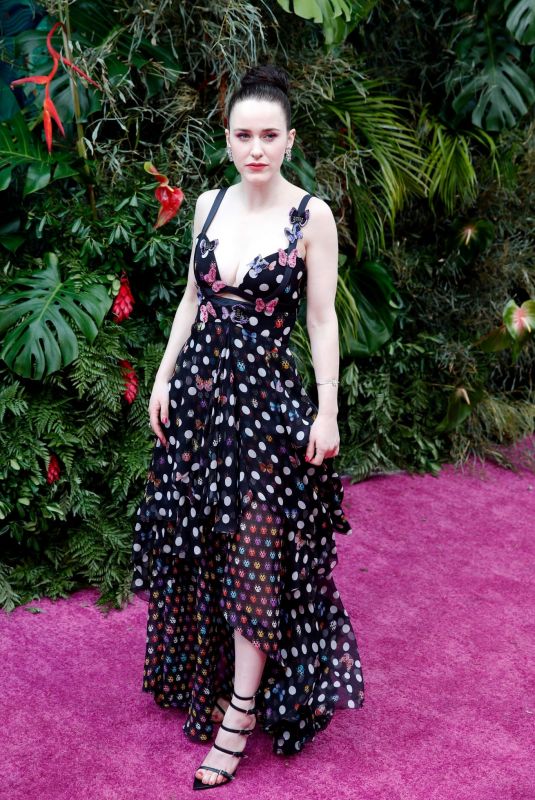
[(234, 541)]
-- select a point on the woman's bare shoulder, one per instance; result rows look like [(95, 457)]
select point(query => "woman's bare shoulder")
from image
[(205, 199), (321, 217), (319, 207), (203, 205)]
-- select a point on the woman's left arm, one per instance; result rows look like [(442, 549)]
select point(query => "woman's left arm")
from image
[(322, 327)]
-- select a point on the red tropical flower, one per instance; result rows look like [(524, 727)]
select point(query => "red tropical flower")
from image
[(124, 300), (169, 197), (54, 471), (49, 109), (130, 380)]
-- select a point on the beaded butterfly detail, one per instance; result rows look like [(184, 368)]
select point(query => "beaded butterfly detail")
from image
[(257, 265), (205, 309), (203, 384), (236, 314), (268, 308), (207, 246), (298, 221), (284, 258), (210, 277)]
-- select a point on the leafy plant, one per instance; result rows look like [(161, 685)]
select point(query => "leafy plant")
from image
[(18, 148), (495, 88), (337, 17), (37, 337)]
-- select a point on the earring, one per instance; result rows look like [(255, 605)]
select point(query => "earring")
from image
[(229, 153), (288, 154)]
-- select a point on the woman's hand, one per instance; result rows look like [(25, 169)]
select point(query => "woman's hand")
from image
[(324, 439), (159, 408)]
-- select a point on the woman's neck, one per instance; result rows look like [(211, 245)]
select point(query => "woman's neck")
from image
[(261, 196)]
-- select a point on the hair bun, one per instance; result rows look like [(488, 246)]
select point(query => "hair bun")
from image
[(276, 76)]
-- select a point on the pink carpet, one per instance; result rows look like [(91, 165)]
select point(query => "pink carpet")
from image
[(438, 578)]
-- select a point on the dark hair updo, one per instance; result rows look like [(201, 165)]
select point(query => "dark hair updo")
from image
[(266, 82)]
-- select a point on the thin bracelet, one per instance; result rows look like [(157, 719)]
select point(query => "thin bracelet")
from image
[(333, 381)]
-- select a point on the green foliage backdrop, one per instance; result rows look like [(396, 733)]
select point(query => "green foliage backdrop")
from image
[(414, 124)]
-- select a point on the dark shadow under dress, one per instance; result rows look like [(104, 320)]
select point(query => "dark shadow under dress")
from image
[(236, 529)]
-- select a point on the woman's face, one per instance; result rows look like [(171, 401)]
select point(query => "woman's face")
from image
[(257, 134)]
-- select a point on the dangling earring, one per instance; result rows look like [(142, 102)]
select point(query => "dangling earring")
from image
[(229, 153), (288, 154)]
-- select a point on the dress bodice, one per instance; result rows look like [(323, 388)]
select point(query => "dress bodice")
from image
[(277, 279)]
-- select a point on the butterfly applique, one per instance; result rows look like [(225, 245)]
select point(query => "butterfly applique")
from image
[(268, 467), (298, 221), (247, 497), (203, 384), (152, 477), (302, 219), (249, 335), (207, 247), (236, 315), (257, 265), (210, 278), (205, 309), (347, 660), (268, 308), (299, 541), (284, 258)]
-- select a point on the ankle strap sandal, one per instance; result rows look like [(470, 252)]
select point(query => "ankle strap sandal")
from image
[(242, 731), (197, 783), (243, 710)]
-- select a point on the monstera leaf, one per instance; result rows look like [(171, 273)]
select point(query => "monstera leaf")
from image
[(318, 10), (521, 21), (496, 91), (338, 17), (34, 316)]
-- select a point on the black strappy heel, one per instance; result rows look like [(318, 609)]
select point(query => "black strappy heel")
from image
[(197, 782)]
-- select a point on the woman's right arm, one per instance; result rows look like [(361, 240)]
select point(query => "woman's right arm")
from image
[(181, 329)]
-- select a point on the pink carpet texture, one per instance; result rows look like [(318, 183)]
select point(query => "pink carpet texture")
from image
[(438, 579)]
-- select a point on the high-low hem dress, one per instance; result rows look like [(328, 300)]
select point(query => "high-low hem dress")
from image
[(236, 530)]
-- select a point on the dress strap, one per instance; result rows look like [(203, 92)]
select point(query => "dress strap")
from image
[(297, 220), (213, 210), (303, 204)]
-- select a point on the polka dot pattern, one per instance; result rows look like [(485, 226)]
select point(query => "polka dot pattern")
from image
[(236, 530)]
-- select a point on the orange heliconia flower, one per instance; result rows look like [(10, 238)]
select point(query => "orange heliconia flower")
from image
[(49, 109)]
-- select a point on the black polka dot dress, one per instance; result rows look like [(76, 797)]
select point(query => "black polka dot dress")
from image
[(236, 530)]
